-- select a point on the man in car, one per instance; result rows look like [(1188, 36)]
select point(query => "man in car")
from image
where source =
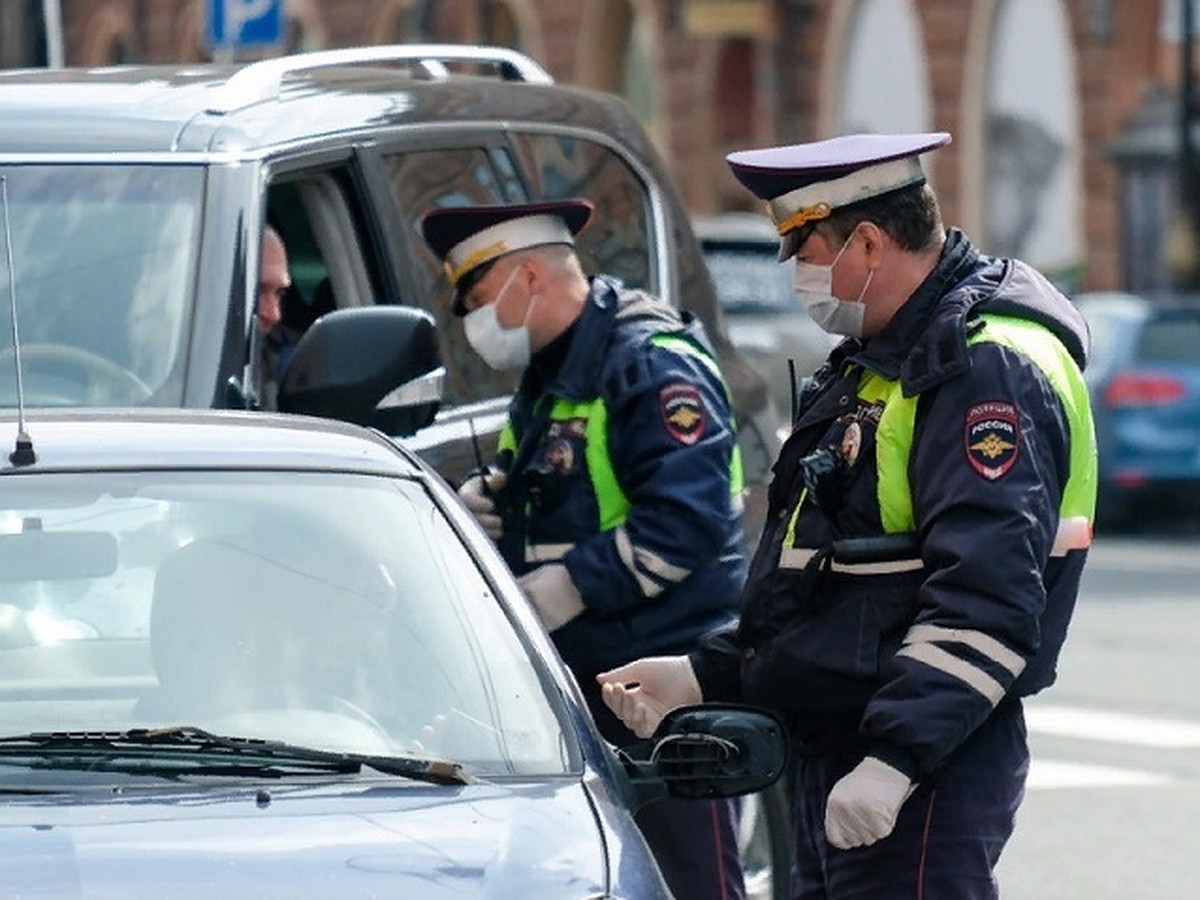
[(615, 496), (277, 340), (929, 520)]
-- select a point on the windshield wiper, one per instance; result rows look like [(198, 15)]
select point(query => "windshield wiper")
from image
[(108, 750)]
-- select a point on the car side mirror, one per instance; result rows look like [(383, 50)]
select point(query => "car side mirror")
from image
[(377, 366), (706, 751)]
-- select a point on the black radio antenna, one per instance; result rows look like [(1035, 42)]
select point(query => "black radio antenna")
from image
[(480, 467), (22, 454)]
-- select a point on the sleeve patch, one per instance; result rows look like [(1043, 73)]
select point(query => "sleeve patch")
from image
[(682, 412), (993, 437)]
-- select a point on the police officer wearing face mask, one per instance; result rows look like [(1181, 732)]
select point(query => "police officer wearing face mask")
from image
[(616, 492), (929, 520)]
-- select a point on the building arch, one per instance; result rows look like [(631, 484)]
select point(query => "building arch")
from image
[(884, 72), (515, 24), (619, 55), (106, 37), (972, 105), (393, 23), (189, 40), (1028, 166), (304, 29)]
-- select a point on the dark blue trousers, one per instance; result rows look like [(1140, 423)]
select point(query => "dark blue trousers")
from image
[(694, 842), (949, 833), (695, 845)]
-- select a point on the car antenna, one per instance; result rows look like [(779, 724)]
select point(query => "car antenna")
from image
[(792, 381), (479, 466), (22, 454)]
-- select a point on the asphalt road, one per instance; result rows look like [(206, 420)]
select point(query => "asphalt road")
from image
[(1113, 802)]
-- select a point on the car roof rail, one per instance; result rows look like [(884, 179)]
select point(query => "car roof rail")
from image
[(263, 80)]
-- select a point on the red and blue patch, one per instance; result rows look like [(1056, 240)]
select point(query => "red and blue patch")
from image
[(993, 437), (682, 412)]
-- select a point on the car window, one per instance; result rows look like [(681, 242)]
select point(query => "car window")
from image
[(331, 610), (322, 226), (749, 278), (104, 262), (1170, 339), (448, 176), (618, 241)]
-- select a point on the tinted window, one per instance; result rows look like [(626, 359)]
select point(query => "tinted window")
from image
[(1171, 339), (618, 241), (427, 179), (104, 260)]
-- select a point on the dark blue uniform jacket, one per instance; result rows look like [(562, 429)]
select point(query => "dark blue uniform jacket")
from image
[(674, 570), (822, 646)]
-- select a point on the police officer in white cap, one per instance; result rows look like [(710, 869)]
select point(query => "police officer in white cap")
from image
[(929, 520), (615, 495)]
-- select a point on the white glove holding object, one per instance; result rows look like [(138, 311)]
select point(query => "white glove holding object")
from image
[(640, 693), (553, 594), (477, 494), (863, 805)]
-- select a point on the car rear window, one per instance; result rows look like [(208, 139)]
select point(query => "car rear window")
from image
[(749, 278), (1171, 339)]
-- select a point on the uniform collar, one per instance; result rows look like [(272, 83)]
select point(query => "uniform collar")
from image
[(889, 353), (567, 367)]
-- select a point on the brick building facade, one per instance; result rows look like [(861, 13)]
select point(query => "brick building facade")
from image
[(709, 76)]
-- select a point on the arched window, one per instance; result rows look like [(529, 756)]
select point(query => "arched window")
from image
[(1031, 141), (619, 57), (885, 81)]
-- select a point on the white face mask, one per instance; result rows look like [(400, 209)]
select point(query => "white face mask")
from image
[(814, 287), (501, 348)]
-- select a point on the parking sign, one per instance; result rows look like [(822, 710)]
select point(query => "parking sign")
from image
[(244, 23)]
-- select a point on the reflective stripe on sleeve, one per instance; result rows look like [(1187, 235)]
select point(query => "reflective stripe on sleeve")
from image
[(976, 640), (542, 553), (921, 643), (649, 569), (944, 661), (799, 558), (1074, 533)]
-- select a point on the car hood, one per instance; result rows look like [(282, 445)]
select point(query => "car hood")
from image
[(418, 841)]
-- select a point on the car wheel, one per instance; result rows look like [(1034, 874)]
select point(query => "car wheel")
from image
[(765, 843)]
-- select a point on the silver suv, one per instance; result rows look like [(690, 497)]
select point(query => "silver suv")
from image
[(137, 195)]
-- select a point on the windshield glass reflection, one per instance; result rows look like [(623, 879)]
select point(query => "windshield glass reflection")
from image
[(104, 258), (333, 611)]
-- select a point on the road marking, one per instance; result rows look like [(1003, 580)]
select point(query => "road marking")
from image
[(1111, 727), (1048, 774), (1124, 555)]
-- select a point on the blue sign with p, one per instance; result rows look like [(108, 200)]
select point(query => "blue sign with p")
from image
[(245, 23)]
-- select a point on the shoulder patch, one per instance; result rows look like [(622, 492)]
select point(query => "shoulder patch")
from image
[(992, 436), (682, 412)]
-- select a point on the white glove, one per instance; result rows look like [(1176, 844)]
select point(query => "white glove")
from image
[(479, 501), (643, 691), (553, 594), (863, 805)]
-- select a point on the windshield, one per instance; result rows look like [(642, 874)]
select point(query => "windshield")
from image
[(103, 260), (332, 611)]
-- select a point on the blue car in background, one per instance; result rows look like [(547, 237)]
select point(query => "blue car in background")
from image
[(1144, 377)]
